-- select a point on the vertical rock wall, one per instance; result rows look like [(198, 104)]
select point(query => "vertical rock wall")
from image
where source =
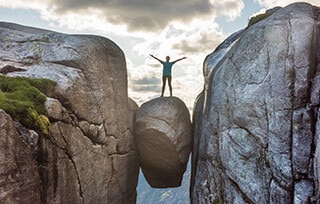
[(19, 177), (89, 155), (257, 125)]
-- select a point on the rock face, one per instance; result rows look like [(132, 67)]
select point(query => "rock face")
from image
[(89, 155), (257, 137), (163, 135), (19, 177)]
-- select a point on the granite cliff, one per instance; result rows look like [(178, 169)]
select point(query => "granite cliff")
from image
[(82, 148), (256, 123), (89, 154), (257, 120)]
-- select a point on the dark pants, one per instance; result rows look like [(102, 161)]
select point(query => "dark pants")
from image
[(164, 79)]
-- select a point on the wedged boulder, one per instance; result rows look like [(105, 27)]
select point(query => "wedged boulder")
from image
[(257, 123), (89, 155), (163, 135)]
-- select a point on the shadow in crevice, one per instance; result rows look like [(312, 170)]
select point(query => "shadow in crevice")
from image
[(179, 195)]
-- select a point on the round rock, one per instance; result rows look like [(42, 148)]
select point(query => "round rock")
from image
[(163, 135)]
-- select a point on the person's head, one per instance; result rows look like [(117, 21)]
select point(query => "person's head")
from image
[(167, 58)]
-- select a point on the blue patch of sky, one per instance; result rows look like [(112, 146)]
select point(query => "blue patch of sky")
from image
[(28, 17), (250, 7)]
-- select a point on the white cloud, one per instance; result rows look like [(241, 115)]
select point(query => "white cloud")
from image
[(176, 40), (139, 15), (30, 4), (176, 28), (197, 42), (273, 3), (229, 8)]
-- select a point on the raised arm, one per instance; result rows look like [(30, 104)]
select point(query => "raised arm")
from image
[(179, 59), (156, 58)]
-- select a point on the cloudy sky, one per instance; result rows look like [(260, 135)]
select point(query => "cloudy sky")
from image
[(178, 28)]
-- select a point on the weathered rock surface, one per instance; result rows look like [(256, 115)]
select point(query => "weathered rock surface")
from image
[(89, 155), (19, 177), (163, 135), (257, 123)]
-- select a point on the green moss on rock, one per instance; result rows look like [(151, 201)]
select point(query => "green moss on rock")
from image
[(255, 19), (23, 98)]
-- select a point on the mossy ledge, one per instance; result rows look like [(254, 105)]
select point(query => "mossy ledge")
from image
[(23, 98), (255, 19)]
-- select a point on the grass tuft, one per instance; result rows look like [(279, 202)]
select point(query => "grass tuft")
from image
[(23, 98), (255, 19)]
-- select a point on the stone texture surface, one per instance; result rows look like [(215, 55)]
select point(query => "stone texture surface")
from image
[(163, 135), (257, 122), (89, 155), (19, 178)]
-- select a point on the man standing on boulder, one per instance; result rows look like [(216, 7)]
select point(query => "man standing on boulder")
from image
[(166, 73)]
